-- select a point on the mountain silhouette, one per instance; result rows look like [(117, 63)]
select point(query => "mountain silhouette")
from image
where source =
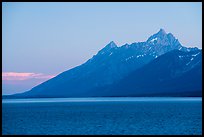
[(114, 70)]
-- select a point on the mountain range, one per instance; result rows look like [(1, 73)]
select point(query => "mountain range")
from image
[(160, 66)]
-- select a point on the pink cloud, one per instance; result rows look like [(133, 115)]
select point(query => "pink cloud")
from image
[(24, 76)]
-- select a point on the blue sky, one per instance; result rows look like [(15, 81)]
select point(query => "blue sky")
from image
[(49, 38)]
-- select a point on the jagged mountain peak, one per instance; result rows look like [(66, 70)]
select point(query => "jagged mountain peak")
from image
[(162, 32), (110, 46), (163, 38)]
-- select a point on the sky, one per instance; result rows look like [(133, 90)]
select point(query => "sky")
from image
[(41, 40)]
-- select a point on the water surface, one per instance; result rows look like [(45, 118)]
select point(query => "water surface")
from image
[(102, 116), (110, 99)]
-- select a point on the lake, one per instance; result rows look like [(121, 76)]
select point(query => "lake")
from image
[(102, 116)]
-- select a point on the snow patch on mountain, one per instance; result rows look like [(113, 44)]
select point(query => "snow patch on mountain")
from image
[(153, 40), (196, 54)]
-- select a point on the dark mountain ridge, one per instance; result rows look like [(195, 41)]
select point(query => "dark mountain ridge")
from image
[(175, 73)]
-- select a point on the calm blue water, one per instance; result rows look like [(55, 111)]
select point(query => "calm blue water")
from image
[(111, 99), (99, 116)]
